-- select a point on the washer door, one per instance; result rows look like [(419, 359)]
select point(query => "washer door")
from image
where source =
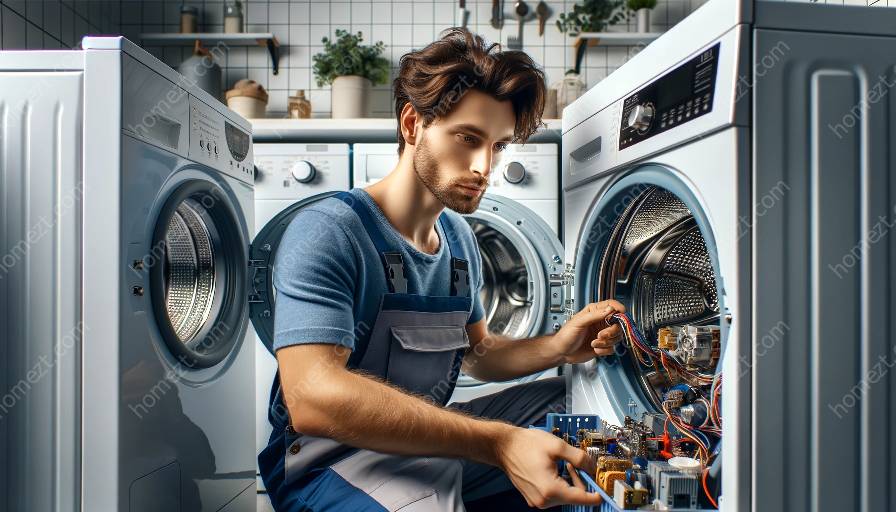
[(519, 253), (262, 293), (198, 273), (658, 258)]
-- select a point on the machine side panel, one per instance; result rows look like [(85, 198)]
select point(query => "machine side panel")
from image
[(823, 203), (40, 367)]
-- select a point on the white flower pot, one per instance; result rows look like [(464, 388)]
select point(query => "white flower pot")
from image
[(643, 16), (350, 97)]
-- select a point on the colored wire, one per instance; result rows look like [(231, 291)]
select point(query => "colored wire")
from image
[(706, 489)]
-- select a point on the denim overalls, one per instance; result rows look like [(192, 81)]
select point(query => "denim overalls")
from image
[(417, 343)]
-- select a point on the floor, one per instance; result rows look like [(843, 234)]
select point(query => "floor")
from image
[(264, 504)]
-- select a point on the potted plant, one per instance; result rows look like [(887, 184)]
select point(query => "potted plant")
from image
[(641, 8), (589, 16), (351, 69)]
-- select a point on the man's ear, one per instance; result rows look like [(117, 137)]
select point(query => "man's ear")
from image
[(411, 122)]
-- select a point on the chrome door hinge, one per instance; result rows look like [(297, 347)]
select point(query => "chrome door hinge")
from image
[(562, 288)]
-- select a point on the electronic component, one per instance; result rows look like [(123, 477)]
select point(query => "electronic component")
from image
[(628, 496), (694, 414), (697, 345), (605, 479), (676, 489)]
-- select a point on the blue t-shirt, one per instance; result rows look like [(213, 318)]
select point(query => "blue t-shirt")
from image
[(329, 276)]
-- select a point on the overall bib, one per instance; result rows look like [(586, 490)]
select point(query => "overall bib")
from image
[(417, 343)]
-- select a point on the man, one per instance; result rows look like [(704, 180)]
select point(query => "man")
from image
[(378, 306)]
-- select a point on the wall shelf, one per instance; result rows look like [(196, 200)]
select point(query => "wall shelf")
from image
[(265, 39), (588, 39), (617, 38)]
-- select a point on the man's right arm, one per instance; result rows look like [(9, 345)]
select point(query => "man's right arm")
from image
[(325, 399)]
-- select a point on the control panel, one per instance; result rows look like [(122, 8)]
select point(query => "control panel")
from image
[(296, 171), (216, 142), (525, 171), (680, 96)]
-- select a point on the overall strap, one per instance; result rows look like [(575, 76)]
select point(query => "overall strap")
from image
[(393, 263), (460, 268)]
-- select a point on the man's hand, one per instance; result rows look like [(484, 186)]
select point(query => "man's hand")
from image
[(587, 334), (529, 457)]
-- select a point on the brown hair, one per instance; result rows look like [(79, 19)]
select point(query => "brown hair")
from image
[(435, 78)]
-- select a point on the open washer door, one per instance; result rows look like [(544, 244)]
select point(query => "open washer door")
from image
[(520, 253), (261, 262), (649, 247)]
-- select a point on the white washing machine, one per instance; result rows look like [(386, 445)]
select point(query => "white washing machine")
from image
[(128, 209), (516, 226), (288, 177), (724, 177)]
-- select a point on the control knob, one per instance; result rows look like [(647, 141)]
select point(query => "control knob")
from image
[(514, 173), (303, 171), (639, 117)]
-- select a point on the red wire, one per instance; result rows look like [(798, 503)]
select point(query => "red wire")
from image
[(706, 489)]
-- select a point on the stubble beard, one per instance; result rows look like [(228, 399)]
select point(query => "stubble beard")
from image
[(427, 170)]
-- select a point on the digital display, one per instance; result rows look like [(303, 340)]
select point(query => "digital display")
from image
[(237, 141), (680, 96)]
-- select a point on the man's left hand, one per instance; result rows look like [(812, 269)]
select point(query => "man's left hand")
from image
[(587, 333)]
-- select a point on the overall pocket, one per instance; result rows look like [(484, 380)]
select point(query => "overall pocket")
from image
[(422, 358)]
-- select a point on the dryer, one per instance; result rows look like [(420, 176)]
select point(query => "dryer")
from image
[(722, 178), (288, 177), (516, 226), (128, 208)]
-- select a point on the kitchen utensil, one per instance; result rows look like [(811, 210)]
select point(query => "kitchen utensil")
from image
[(497, 14), (520, 10), (543, 12), (462, 13)]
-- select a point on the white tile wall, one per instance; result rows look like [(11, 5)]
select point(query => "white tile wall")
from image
[(55, 24), (300, 25)]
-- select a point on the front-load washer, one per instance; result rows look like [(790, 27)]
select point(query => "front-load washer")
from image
[(288, 177), (730, 177), (516, 225), (128, 209)]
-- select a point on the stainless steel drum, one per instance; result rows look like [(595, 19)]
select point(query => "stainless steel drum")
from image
[(505, 291), (190, 271), (656, 262)]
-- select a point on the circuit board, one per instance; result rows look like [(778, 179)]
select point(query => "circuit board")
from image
[(668, 459)]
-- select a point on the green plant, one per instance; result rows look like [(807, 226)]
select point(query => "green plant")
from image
[(591, 16), (635, 5), (346, 56)]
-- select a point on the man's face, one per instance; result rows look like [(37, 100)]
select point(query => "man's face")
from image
[(455, 154)]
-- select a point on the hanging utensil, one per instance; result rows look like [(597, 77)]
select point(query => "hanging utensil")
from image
[(543, 12), (497, 14), (462, 14), (520, 10)]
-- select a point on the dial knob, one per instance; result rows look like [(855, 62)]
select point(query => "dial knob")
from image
[(639, 117), (257, 174), (514, 173), (303, 171)]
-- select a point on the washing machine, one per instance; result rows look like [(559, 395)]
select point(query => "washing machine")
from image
[(128, 209), (288, 177), (517, 226), (722, 179)]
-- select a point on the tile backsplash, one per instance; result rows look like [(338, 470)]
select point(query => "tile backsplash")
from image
[(401, 25), (300, 25)]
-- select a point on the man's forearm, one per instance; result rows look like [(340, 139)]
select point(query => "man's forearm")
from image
[(366, 413), (498, 358)]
